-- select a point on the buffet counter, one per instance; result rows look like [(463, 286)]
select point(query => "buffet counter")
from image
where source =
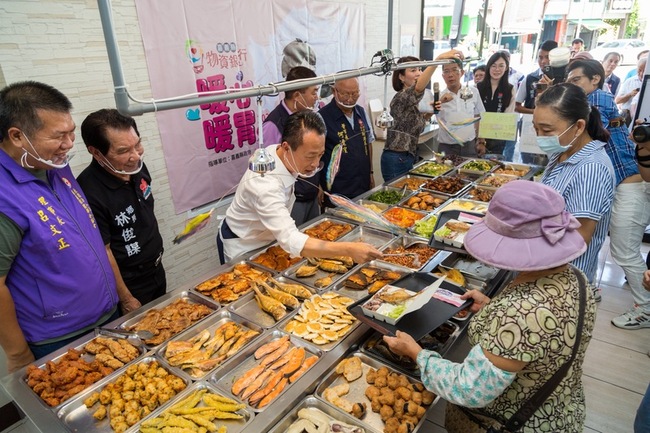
[(332, 335)]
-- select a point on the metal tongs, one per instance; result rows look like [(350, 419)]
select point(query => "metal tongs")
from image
[(134, 337)]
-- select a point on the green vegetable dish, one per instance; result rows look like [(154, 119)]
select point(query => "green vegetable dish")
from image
[(396, 312), (425, 227), (477, 165), (387, 196), (431, 169)]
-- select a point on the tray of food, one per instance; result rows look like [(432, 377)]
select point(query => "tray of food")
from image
[(431, 169), (373, 206), (275, 259), (386, 195), (465, 205), (518, 170), (322, 320), (417, 323), (470, 267), (320, 273), (369, 278), (120, 404), (410, 252), (424, 200), (477, 166), (452, 159), (411, 182), (314, 415), (447, 185), (272, 301), (259, 374), (376, 238), (466, 175), (451, 228), (199, 408), (439, 340), (61, 378), (456, 277), (424, 227), (171, 316), (480, 193), (235, 281), (200, 350), (381, 397), (403, 217), (328, 229), (496, 180)]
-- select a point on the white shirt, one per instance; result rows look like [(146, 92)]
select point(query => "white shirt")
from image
[(626, 87), (458, 110), (261, 212)]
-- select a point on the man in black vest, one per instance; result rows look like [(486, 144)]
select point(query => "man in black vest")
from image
[(307, 203)]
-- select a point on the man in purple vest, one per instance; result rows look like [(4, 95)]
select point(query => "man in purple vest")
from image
[(56, 282)]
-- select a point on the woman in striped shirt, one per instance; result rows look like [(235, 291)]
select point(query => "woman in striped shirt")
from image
[(571, 132)]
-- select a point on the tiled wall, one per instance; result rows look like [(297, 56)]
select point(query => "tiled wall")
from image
[(61, 43)]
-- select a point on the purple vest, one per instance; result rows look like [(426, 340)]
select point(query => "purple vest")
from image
[(61, 280)]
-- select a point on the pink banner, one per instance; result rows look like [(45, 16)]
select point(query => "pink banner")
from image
[(205, 45)]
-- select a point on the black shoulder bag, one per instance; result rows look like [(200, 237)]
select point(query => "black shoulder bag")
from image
[(528, 408)]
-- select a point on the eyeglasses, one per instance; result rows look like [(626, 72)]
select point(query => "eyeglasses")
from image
[(451, 71), (499, 66), (576, 79), (346, 95)]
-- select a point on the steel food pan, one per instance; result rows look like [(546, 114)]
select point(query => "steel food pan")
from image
[(224, 378), (88, 357), (317, 281), (467, 175), (438, 340), (495, 181), (391, 195), (407, 242), (312, 402), (465, 205), (434, 198), (211, 325), (247, 307), (466, 167), (369, 235), (77, 417), (358, 389), (517, 170), (331, 234), (413, 182), (480, 193), (470, 267), (424, 227), (301, 324), (431, 186), (226, 290), (188, 296), (431, 169), (232, 425), (356, 294), (402, 216), (279, 267)]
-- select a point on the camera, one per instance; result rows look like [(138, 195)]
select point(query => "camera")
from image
[(641, 133), (558, 62)]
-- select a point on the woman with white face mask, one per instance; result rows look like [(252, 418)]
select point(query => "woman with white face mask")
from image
[(570, 131)]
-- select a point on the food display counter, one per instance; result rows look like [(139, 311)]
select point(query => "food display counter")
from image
[(229, 331)]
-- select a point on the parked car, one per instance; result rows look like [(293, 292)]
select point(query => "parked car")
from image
[(627, 48)]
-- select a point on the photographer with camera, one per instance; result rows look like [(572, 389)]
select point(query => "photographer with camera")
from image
[(630, 213)]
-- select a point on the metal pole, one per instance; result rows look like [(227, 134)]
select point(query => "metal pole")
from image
[(389, 39), (123, 99), (485, 10)]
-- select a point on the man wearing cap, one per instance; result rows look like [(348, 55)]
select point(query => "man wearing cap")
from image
[(525, 332)]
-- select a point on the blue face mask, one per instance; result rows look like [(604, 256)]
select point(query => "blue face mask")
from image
[(551, 143)]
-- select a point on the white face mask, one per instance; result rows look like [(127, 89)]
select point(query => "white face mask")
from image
[(60, 163), (305, 106), (551, 143), (106, 163), (294, 166)]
